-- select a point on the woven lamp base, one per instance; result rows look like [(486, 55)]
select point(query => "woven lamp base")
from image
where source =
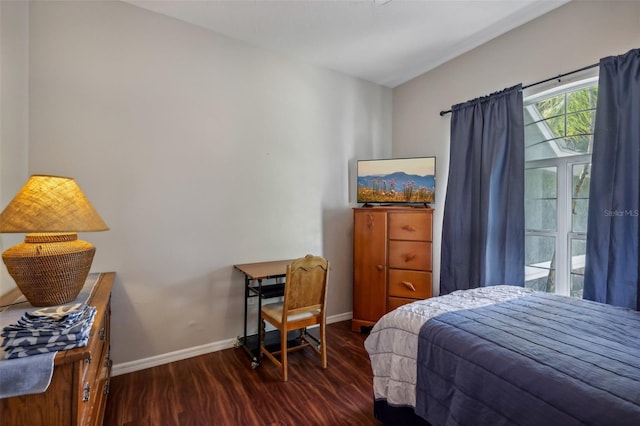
[(50, 269)]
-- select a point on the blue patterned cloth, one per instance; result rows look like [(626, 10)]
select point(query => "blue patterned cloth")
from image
[(30, 369), (49, 330)]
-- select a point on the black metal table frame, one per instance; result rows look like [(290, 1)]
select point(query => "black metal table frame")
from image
[(251, 344), (260, 292)]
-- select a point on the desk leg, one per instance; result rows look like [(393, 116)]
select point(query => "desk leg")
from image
[(245, 339), (246, 301), (251, 344), (256, 358), (252, 349)]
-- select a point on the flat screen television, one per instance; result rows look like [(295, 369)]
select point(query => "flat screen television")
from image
[(397, 181)]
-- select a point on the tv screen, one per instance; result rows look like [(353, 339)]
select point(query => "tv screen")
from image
[(397, 180)]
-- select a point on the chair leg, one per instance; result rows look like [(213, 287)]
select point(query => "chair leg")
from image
[(283, 354), (323, 345)]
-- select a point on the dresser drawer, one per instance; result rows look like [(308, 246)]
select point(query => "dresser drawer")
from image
[(411, 284), (396, 302), (410, 255), (410, 226), (98, 348), (94, 407), (100, 386)]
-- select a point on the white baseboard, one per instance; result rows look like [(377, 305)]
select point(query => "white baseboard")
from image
[(154, 361)]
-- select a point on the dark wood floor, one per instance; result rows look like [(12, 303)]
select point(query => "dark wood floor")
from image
[(220, 388)]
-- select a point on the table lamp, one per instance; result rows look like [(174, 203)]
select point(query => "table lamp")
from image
[(51, 266)]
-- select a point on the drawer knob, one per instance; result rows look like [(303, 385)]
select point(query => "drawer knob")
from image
[(102, 333), (409, 285), (380, 267), (409, 228), (86, 392), (409, 257)]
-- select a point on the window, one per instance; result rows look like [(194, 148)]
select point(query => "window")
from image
[(558, 144)]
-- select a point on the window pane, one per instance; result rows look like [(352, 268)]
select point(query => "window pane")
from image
[(577, 285), (582, 99), (540, 148), (578, 250), (579, 215), (549, 128), (540, 215), (540, 195), (536, 133), (528, 118), (540, 151), (580, 199), (573, 145), (551, 107), (540, 262), (580, 122), (581, 179)]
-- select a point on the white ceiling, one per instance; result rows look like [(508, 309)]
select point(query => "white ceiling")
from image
[(384, 41)]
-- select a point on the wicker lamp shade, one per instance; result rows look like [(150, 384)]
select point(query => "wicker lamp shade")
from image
[(50, 267)]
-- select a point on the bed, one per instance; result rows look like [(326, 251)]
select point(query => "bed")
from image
[(506, 355)]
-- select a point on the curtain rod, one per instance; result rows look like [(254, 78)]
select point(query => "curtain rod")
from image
[(558, 77)]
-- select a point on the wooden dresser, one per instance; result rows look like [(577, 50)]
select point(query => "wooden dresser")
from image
[(79, 387), (392, 260)]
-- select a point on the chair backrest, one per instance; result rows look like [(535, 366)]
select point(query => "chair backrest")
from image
[(306, 285)]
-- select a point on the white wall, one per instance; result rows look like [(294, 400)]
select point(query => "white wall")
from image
[(14, 111), (199, 152), (571, 37)]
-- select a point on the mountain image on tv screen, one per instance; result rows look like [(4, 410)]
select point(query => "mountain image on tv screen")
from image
[(402, 180)]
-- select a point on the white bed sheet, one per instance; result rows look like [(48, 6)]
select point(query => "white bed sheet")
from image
[(393, 342)]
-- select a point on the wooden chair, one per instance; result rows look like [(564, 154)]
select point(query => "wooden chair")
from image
[(305, 295)]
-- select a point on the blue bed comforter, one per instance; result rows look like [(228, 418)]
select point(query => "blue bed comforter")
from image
[(539, 360)]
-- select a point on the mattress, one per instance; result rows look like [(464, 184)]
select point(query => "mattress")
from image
[(392, 343), (542, 359)]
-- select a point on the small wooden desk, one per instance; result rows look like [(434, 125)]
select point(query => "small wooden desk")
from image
[(254, 274), (264, 270)]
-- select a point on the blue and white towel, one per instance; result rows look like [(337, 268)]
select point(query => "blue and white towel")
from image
[(32, 374), (49, 330)]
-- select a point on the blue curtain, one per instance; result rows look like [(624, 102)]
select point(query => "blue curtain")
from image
[(612, 267), (483, 227)]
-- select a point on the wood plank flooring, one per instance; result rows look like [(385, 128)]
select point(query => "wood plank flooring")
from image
[(220, 388)]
